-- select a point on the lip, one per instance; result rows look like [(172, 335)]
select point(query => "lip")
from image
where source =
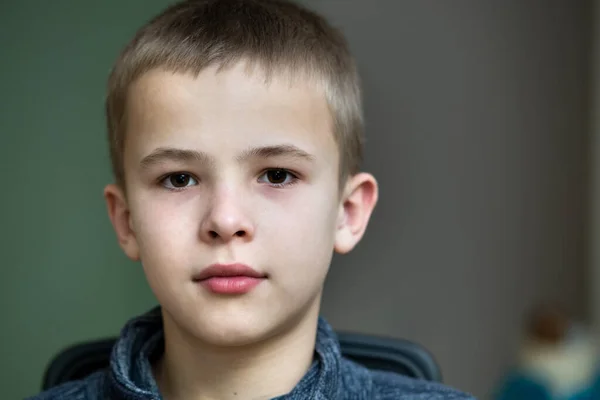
[(228, 270), (229, 278)]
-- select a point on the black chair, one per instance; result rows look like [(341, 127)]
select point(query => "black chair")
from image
[(377, 353)]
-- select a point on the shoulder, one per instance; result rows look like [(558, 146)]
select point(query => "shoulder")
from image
[(362, 383), (391, 386), (90, 388)]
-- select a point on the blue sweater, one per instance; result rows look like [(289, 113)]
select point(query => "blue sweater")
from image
[(330, 377)]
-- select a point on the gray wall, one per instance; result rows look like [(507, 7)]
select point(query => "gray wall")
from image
[(594, 218), (476, 114), (476, 122)]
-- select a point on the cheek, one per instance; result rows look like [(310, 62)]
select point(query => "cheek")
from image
[(163, 232), (302, 236)]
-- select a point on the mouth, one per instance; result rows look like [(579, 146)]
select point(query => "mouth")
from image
[(229, 278)]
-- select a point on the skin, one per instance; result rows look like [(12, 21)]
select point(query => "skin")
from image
[(224, 168)]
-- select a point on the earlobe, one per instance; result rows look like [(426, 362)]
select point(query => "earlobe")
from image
[(118, 212), (360, 198)]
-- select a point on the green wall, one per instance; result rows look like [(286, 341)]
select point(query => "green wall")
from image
[(63, 278)]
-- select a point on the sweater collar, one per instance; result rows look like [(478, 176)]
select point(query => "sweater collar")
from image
[(142, 341)]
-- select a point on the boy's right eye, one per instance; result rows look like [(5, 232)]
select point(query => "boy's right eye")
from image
[(178, 180)]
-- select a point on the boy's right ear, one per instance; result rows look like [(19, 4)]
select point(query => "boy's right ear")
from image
[(118, 211)]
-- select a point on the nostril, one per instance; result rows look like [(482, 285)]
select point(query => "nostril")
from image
[(213, 234), (240, 233)]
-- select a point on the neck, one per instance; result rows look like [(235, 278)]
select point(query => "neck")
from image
[(191, 369)]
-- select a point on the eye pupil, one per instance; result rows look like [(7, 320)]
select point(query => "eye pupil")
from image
[(276, 175), (180, 180)]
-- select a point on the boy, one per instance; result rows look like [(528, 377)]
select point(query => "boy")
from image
[(235, 131)]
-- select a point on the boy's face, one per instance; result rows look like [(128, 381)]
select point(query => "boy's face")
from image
[(225, 169)]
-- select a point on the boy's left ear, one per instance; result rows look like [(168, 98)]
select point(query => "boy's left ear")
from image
[(359, 199)]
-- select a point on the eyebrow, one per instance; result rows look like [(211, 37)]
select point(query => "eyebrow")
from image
[(163, 154), (283, 150)]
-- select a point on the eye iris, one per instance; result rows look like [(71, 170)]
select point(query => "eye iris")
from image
[(276, 176), (180, 180)]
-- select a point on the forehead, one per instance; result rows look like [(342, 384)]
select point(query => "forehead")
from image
[(226, 111)]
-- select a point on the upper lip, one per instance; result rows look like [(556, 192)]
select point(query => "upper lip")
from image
[(225, 270)]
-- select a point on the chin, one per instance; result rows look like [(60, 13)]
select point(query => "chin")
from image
[(227, 332), (217, 328)]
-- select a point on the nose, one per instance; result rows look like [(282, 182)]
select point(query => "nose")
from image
[(226, 219)]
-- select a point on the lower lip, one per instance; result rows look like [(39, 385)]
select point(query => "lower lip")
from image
[(231, 284)]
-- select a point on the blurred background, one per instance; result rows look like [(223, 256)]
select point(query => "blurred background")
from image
[(483, 123)]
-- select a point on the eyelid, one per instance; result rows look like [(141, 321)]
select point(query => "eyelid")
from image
[(288, 170), (183, 172)]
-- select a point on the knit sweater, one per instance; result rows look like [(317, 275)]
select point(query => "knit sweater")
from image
[(331, 376)]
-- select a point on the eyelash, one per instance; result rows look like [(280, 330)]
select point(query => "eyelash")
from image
[(293, 179)]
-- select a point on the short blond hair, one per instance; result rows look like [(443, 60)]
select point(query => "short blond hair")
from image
[(277, 35)]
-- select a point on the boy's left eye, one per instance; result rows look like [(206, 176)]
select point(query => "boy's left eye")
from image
[(278, 177)]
